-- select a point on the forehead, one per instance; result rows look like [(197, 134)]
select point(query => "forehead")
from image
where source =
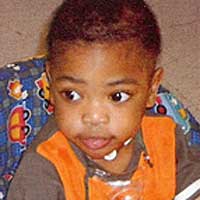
[(113, 58)]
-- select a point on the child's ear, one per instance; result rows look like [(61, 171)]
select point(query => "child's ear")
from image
[(48, 74), (155, 83)]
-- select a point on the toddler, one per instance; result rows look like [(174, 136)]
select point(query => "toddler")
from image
[(102, 142)]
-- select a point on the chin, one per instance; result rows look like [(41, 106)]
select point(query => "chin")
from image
[(96, 155)]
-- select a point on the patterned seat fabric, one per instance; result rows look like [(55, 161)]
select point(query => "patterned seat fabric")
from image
[(24, 109)]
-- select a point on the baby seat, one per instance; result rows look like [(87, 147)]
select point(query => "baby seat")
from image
[(25, 108)]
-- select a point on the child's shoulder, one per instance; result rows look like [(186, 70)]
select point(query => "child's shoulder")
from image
[(36, 171), (187, 140), (188, 162)]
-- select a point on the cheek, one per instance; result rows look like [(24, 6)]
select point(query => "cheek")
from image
[(128, 118), (68, 119), (126, 122)]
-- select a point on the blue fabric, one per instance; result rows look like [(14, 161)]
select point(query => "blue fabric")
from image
[(24, 109)]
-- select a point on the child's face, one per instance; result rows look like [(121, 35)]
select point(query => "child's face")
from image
[(100, 93)]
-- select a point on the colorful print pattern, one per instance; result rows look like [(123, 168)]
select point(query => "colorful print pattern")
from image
[(25, 108)]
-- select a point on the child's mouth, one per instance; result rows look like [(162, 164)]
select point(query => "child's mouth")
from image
[(96, 143)]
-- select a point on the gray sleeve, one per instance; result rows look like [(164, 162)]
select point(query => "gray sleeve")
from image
[(36, 179), (188, 167)]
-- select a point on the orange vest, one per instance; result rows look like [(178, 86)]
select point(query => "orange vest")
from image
[(159, 181)]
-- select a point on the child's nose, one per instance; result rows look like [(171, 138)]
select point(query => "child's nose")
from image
[(95, 116), (95, 119)]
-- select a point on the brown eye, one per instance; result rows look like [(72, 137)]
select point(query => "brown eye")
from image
[(72, 95), (120, 96)]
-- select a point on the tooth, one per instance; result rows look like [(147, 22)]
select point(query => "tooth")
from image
[(111, 156)]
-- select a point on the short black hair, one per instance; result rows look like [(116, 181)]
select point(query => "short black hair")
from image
[(102, 21)]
